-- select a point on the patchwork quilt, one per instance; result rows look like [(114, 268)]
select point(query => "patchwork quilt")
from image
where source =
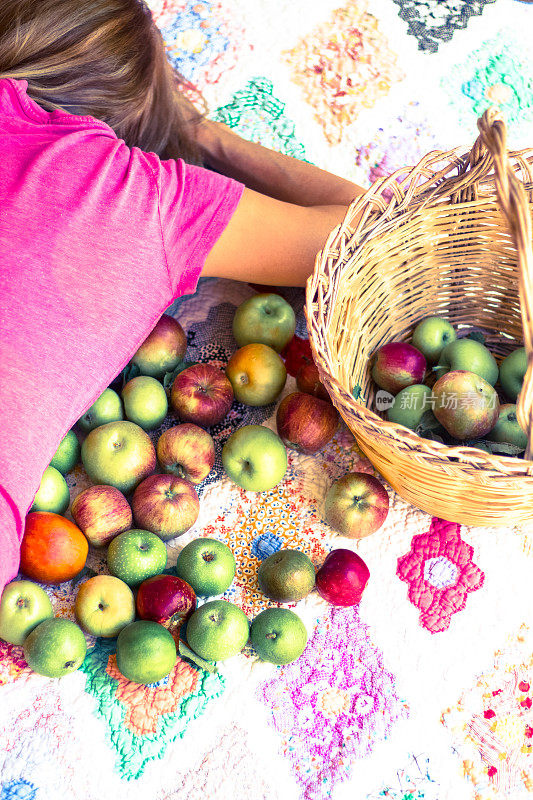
[(423, 691)]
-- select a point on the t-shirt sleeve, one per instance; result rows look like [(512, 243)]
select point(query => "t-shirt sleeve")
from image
[(10, 536), (195, 206)]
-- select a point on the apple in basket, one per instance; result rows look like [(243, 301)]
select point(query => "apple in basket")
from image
[(120, 454), (467, 355), (356, 505), (507, 428), (166, 599), (201, 394), (187, 451), (431, 336), (512, 371), (166, 505), (101, 512), (342, 578), (397, 365), (465, 404), (306, 423), (163, 349), (266, 318)]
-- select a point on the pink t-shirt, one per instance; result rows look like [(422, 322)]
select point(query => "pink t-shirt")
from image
[(96, 241)]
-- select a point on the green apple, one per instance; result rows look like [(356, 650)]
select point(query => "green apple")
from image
[(145, 402), (119, 454), (208, 565), (507, 428), (286, 576), (107, 408), (265, 318), (67, 454), (104, 605), (469, 356), (255, 458), (512, 371), (431, 336), (146, 652), (217, 630), (24, 605), (409, 405), (55, 647), (53, 493), (278, 635), (135, 555)]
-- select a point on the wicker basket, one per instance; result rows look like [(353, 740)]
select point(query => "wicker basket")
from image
[(450, 237)]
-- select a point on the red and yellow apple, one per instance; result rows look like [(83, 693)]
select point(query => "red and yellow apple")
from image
[(101, 512), (165, 505), (201, 394), (397, 365), (308, 380), (465, 404), (257, 374), (306, 423), (163, 349), (187, 451), (356, 505)]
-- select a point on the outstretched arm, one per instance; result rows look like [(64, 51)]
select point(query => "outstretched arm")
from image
[(285, 215)]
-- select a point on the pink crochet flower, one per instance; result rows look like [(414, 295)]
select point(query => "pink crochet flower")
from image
[(440, 573)]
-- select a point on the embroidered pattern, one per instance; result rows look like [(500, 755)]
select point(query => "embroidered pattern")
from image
[(142, 720), (433, 22), (257, 115), (440, 573), (492, 724), (343, 66), (12, 662), (333, 704)]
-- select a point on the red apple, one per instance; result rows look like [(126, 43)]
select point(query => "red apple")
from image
[(186, 451), (306, 423), (163, 349), (308, 380), (342, 578), (356, 505), (165, 505), (397, 365), (201, 394), (101, 512), (166, 599)]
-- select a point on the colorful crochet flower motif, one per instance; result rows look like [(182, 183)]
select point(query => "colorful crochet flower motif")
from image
[(440, 573), (258, 115), (343, 66), (333, 704), (200, 41), (18, 789), (12, 662), (492, 724), (499, 73), (143, 720), (435, 21)]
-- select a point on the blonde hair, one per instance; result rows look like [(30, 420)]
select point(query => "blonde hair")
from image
[(100, 58)]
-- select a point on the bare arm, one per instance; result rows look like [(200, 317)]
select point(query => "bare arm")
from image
[(271, 242), (285, 215), (267, 172)]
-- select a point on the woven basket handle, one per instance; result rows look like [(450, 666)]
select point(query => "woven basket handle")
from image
[(515, 206)]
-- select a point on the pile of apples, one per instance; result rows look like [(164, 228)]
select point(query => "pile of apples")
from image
[(451, 389), (143, 495)]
